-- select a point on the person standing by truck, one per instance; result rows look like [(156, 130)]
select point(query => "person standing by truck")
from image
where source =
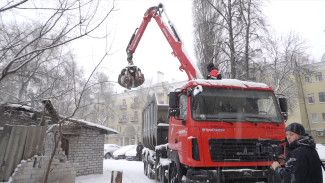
[(302, 161), (139, 151)]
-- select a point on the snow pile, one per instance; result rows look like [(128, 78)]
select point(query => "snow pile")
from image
[(132, 172)]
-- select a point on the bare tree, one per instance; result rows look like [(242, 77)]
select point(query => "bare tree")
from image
[(227, 32), (287, 57), (62, 22), (97, 102), (208, 39), (254, 25)]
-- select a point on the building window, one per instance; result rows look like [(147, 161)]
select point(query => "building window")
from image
[(311, 98), (321, 96), (319, 76), (123, 106), (123, 118), (275, 78), (323, 115), (308, 79), (134, 118), (314, 118)]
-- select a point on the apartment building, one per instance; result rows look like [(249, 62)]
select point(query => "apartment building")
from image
[(126, 116), (311, 94)]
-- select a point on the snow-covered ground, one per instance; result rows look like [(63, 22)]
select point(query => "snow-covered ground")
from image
[(132, 172)]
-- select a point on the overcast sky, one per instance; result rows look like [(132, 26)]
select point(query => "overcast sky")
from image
[(307, 17)]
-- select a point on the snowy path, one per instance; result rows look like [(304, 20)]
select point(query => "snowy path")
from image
[(132, 172)]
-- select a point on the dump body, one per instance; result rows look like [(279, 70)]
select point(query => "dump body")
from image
[(154, 124)]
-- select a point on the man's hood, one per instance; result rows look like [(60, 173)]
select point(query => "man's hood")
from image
[(305, 140)]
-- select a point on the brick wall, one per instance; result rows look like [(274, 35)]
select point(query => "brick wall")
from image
[(33, 170), (87, 150)]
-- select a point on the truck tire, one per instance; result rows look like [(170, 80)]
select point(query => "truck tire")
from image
[(175, 172), (150, 173), (163, 178), (145, 164)]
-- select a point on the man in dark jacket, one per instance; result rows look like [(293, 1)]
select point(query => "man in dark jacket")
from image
[(302, 161), (139, 151)]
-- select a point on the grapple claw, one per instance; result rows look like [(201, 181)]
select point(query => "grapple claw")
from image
[(131, 77)]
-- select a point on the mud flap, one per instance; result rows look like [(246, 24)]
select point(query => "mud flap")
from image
[(131, 77)]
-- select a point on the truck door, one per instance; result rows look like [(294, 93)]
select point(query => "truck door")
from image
[(178, 131)]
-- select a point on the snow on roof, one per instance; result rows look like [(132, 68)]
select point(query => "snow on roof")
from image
[(231, 82), (21, 106), (87, 123)]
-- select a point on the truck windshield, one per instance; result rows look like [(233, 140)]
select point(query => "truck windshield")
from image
[(235, 105)]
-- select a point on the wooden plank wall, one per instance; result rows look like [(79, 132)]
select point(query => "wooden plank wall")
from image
[(18, 143)]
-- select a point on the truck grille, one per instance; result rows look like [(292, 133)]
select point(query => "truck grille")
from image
[(243, 150)]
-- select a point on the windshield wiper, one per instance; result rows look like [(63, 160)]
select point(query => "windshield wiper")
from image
[(223, 120), (260, 117)]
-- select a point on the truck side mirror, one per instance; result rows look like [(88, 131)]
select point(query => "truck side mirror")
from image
[(173, 100), (174, 104), (284, 107)]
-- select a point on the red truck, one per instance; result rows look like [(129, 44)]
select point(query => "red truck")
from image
[(212, 130)]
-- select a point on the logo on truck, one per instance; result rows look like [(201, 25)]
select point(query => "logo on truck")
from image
[(212, 130), (182, 132)]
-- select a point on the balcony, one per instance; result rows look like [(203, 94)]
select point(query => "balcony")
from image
[(123, 107), (134, 119), (122, 120)]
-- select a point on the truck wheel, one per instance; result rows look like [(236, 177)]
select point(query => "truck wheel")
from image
[(163, 178), (150, 174), (175, 173)]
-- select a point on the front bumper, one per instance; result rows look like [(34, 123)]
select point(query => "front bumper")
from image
[(227, 175)]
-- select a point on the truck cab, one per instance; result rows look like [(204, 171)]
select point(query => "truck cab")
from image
[(221, 127)]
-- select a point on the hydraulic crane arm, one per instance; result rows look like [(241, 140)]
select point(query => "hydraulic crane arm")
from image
[(172, 37)]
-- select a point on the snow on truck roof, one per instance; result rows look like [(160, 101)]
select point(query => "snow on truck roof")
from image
[(235, 83)]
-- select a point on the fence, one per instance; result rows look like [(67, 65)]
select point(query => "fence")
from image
[(17, 143)]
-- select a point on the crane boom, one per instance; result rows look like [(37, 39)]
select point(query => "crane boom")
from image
[(173, 39)]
